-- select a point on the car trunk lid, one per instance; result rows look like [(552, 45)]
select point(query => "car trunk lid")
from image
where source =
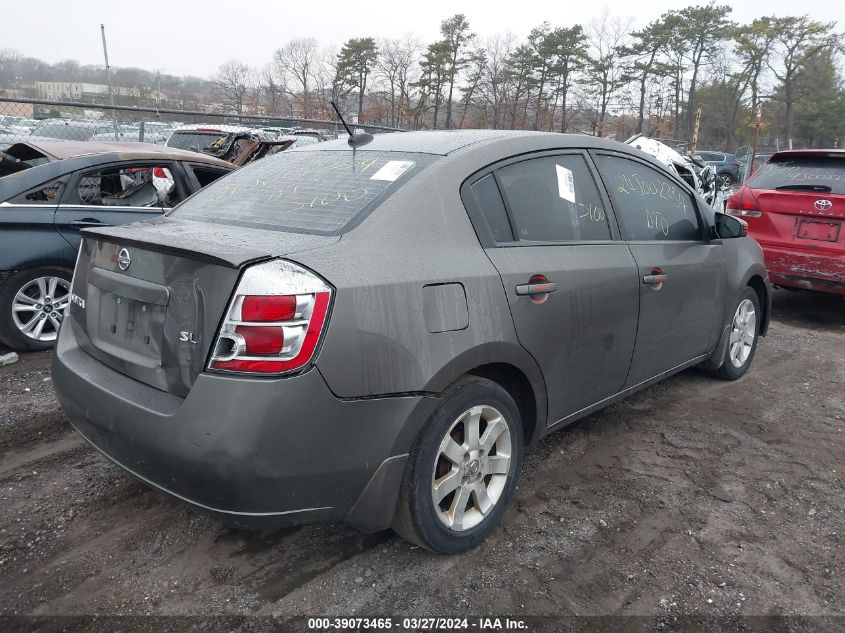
[(810, 219), (148, 299)]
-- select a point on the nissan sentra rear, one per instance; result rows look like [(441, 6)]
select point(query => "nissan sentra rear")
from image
[(372, 332)]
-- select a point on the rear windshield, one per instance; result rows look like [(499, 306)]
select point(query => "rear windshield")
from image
[(197, 141), (321, 192), (809, 171)]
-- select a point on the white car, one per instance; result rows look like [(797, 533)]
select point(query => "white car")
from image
[(697, 174)]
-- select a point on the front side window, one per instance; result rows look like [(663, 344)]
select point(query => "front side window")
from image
[(141, 186), (648, 205), (554, 199)]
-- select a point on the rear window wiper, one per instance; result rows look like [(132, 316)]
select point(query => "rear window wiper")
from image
[(820, 188)]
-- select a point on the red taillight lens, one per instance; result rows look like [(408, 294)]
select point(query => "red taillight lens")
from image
[(743, 204), (268, 308), (262, 339), (274, 322), (158, 172)]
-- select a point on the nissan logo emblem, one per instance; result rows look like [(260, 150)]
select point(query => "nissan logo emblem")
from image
[(823, 205), (123, 259)]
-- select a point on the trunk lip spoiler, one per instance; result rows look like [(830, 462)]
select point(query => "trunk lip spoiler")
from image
[(198, 255)]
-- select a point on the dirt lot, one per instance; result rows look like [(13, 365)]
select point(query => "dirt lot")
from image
[(693, 497)]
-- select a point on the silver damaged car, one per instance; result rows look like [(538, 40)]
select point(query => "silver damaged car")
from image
[(375, 334)]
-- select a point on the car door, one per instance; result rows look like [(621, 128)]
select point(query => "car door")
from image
[(118, 193), (572, 288), (27, 237), (681, 274)]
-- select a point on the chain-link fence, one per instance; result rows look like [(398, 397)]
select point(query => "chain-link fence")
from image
[(28, 120)]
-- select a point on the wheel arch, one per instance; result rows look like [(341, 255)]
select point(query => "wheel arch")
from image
[(516, 383), (511, 367), (761, 289)]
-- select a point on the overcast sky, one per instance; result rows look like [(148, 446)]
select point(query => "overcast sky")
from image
[(196, 37)]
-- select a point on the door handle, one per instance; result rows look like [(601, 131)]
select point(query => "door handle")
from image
[(653, 280), (541, 288), (86, 223)]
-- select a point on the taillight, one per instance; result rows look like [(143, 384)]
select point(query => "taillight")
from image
[(158, 172), (274, 321), (743, 204)]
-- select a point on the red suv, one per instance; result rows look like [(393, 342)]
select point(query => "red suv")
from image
[(795, 208)]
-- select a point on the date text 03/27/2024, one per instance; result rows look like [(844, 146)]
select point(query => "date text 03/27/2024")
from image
[(417, 624)]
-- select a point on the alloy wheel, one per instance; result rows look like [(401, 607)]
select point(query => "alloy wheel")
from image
[(743, 333), (38, 307), (471, 468)]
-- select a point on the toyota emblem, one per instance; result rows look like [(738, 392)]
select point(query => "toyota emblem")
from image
[(823, 205), (123, 259)]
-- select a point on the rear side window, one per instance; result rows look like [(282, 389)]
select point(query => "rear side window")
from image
[(649, 205), (321, 193), (48, 193), (554, 199), (207, 175), (487, 199), (802, 172)]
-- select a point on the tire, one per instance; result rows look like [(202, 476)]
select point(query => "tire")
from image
[(22, 291), (724, 180), (418, 518), (738, 356)]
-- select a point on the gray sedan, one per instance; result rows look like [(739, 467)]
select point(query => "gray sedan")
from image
[(376, 335)]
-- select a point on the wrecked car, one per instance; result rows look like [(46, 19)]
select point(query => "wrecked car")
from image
[(236, 144), (695, 172), (49, 191)]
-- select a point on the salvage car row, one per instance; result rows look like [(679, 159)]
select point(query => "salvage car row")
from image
[(375, 331), (237, 143)]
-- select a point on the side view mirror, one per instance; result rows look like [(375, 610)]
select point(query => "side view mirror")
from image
[(728, 226)]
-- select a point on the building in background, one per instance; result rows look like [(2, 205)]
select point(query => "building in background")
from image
[(75, 91)]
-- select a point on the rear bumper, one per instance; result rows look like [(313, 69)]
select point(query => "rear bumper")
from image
[(261, 453), (795, 268)]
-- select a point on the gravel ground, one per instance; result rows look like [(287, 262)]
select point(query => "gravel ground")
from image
[(693, 498)]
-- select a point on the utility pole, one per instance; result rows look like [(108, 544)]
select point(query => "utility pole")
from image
[(694, 141), (108, 79), (158, 90), (750, 168)]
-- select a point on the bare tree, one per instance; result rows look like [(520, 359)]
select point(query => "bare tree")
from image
[(495, 89), (272, 89), (233, 81), (607, 36), (395, 62), (299, 60)]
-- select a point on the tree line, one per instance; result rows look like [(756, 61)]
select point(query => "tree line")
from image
[(604, 78)]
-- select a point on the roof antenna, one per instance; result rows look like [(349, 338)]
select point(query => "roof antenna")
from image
[(355, 140)]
